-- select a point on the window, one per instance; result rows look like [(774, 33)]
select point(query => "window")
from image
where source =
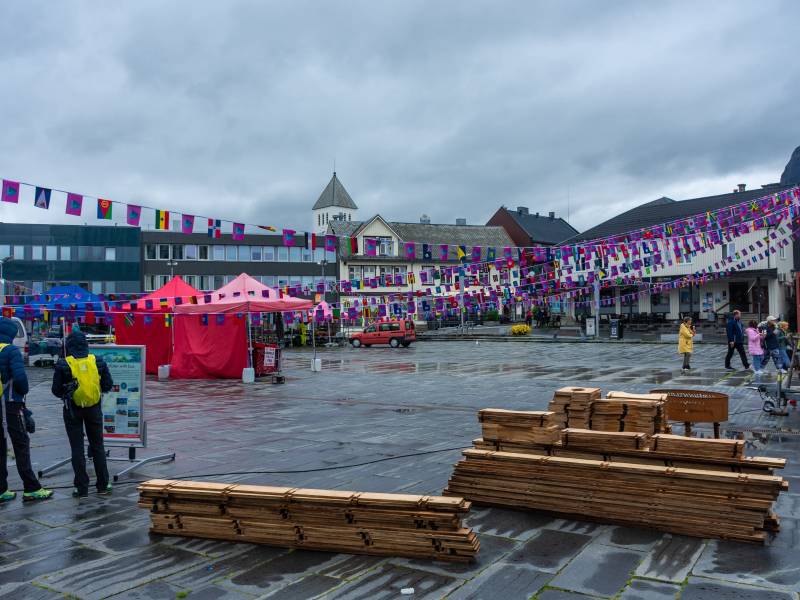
[(38, 253), (219, 252), (269, 253), (307, 254), (66, 253), (163, 280), (38, 288), (782, 252), (294, 254), (191, 280), (330, 255), (385, 246), (190, 252), (244, 253), (97, 252), (295, 280), (163, 252), (111, 287), (268, 280), (97, 287), (319, 220), (228, 279), (5, 251), (150, 283), (150, 252), (206, 282), (177, 252), (111, 254), (231, 253), (19, 252), (729, 250), (686, 258), (282, 281), (219, 281), (255, 253), (354, 273), (283, 254), (369, 272), (203, 253), (51, 252), (319, 254)]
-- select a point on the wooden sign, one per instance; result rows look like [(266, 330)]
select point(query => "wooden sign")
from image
[(695, 406)]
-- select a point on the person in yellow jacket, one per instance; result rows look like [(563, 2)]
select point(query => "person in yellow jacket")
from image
[(685, 343)]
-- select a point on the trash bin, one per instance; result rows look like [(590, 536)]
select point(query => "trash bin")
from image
[(615, 330)]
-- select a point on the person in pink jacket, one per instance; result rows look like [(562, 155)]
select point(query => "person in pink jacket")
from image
[(755, 346)]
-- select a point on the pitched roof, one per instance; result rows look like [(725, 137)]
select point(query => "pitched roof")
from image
[(334, 194), (543, 229), (665, 209), (434, 233)]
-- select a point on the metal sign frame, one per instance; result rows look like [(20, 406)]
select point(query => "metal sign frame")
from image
[(113, 440)]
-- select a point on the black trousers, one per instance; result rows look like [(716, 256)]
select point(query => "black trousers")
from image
[(15, 423), (76, 421), (740, 347)]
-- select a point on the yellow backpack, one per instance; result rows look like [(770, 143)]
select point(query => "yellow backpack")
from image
[(84, 370)]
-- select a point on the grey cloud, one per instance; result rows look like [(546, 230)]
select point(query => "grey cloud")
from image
[(238, 109)]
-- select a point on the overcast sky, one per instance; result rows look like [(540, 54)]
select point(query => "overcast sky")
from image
[(237, 109)]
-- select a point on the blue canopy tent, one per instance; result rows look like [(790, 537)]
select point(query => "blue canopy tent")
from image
[(69, 301)]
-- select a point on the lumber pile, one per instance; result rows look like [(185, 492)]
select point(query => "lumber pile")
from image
[(603, 441), (533, 427), (680, 446), (686, 501), (574, 406), (428, 527), (619, 411)]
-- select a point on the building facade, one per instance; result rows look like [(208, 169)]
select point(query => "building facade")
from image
[(101, 259), (209, 263), (333, 204)]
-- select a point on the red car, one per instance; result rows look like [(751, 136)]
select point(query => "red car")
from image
[(394, 333)]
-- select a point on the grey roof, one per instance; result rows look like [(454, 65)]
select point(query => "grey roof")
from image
[(791, 174), (434, 233), (543, 229), (665, 209), (334, 194)]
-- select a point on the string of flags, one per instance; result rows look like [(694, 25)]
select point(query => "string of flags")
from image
[(708, 223)]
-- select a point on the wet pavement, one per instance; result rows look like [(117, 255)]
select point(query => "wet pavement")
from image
[(373, 404)]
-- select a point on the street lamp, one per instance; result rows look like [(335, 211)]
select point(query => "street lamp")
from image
[(2, 278), (172, 264)]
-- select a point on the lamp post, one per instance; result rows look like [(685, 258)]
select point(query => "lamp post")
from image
[(322, 263), (172, 264), (2, 279)]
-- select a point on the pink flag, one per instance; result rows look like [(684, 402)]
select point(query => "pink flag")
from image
[(74, 204), (187, 224), (133, 214), (10, 191), (238, 232)]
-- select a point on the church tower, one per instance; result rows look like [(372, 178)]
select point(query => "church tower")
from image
[(334, 204)]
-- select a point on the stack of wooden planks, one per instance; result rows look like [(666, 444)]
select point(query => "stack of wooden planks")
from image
[(603, 441), (533, 427), (686, 501), (619, 411), (428, 527), (573, 405), (678, 445)]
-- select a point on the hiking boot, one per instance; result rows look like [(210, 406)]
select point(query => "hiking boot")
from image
[(7, 496), (106, 491), (40, 494), (76, 493), (729, 369)]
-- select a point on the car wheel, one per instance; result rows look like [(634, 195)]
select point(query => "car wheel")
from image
[(394, 343), (406, 344), (356, 343)]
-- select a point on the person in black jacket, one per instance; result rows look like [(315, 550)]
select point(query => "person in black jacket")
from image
[(735, 333), (80, 418), (15, 387)]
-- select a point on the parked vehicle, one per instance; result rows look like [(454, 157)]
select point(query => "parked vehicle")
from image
[(393, 332), (21, 340)]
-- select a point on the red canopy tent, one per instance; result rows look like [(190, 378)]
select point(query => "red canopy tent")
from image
[(154, 333), (208, 346)]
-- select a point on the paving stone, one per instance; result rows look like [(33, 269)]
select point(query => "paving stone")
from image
[(640, 589), (94, 579), (771, 566), (518, 524), (635, 538), (550, 550), (492, 549), (599, 570), (672, 558), (154, 590), (352, 566), (19, 574), (561, 595), (280, 571), (308, 587), (387, 580), (503, 580), (705, 589), (242, 559)]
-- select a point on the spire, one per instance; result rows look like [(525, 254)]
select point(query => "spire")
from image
[(334, 194)]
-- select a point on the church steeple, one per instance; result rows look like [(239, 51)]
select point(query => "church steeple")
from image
[(334, 203)]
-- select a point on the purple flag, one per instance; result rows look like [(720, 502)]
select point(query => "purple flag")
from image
[(187, 224), (476, 254), (411, 250), (444, 251), (74, 204), (238, 232), (370, 246), (134, 213), (288, 237), (10, 191)]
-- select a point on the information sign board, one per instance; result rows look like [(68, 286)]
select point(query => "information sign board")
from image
[(123, 406)]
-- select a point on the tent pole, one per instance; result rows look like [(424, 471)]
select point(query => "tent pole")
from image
[(249, 342)]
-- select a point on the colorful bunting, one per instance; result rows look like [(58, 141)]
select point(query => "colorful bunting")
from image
[(288, 237), (10, 191), (42, 198), (104, 209), (411, 250), (134, 215), (238, 232), (187, 224), (214, 228), (162, 219), (74, 204)]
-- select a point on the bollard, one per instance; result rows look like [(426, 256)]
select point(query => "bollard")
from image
[(163, 371), (248, 375)]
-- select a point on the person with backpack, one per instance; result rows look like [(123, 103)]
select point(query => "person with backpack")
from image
[(16, 417), (79, 380)]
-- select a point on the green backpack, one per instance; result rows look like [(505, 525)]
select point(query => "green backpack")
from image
[(84, 370)]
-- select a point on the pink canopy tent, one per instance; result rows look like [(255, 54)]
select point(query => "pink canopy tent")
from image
[(245, 295), (206, 348)]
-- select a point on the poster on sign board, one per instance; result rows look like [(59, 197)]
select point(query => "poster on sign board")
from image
[(123, 406)]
